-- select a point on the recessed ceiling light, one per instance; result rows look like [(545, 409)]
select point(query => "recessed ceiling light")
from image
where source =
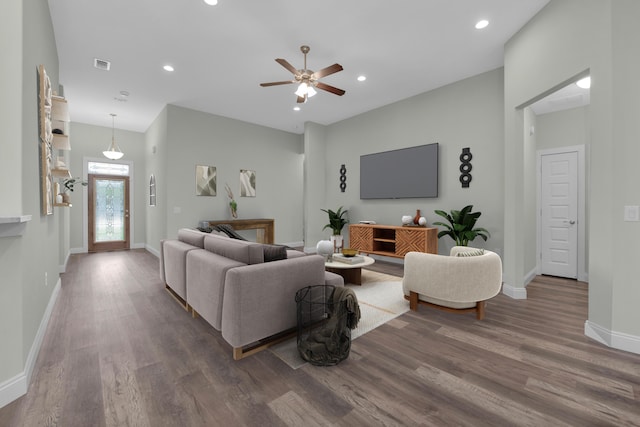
[(296, 108), (482, 24), (584, 83), (211, 2), (168, 68), (124, 93), (362, 78)]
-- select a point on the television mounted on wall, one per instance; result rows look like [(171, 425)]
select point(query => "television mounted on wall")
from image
[(400, 174)]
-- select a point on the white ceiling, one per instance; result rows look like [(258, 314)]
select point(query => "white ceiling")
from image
[(222, 53)]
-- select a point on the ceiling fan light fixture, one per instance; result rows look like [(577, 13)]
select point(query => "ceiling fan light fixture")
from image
[(311, 91), (302, 90), (114, 152)]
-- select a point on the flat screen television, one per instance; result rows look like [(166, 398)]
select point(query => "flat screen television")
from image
[(400, 174)]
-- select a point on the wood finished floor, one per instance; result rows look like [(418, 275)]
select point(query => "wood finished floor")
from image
[(119, 351)]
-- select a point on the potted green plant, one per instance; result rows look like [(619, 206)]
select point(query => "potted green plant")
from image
[(233, 206), (461, 226), (337, 221), (69, 184)]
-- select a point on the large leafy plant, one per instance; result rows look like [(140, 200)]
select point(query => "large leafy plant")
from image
[(460, 226), (337, 220)]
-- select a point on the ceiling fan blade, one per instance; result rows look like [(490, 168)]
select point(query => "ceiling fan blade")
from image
[(286, 82), (327, 71), (331, 89), (288, 66), (301, 100)]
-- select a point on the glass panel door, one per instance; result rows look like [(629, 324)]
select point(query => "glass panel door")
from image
[(108, 212)]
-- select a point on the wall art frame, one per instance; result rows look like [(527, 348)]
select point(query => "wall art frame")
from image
[(45, 141), (247, 183), (206, 181)]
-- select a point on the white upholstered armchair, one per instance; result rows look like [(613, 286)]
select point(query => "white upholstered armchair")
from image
[(457, 282)]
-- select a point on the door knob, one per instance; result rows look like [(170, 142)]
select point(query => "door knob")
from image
[(572, 222)]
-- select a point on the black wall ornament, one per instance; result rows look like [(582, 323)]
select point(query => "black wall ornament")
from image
[(465, 167), (343, 178)]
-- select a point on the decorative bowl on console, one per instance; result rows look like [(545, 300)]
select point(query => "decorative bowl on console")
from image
[(348, 252)]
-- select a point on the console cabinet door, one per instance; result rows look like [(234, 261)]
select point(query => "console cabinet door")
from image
[(361, 238)]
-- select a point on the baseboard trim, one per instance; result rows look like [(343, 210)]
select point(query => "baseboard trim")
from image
[(617, 340), (529, 277), (152, 250), (17, 386), (513, 292)]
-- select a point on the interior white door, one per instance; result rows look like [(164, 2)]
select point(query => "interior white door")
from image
[(559, 214)]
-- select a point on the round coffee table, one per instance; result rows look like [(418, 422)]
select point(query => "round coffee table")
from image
[(352, 273)]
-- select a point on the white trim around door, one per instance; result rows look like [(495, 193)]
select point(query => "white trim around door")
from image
[(581, 221)]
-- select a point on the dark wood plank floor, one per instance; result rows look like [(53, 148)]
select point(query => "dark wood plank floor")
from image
[(119, 351)]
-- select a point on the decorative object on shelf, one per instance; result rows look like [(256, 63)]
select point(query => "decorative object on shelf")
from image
[(46, 138), (416, 219), (69, 185), (337, 221), (233, 206), (247, 183), (114, 152), (325, 248), (422, 221), (461, 226), (343, 178), (465, 167), (407, 219), (206, 181)]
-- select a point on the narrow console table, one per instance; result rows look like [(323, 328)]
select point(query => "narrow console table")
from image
[(392, 240), (265, 228)]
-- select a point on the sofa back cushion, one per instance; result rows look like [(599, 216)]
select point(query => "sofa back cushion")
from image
[(191, 237), (238, 250)]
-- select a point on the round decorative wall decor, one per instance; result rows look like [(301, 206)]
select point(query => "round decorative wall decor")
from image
[(465, 167), (343, 178)]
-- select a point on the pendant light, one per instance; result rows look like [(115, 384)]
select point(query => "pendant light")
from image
[(114, 152)]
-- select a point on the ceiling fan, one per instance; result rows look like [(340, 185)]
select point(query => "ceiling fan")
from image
[(308, 79)]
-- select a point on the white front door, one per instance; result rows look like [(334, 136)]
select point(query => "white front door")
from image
[(559, 214)]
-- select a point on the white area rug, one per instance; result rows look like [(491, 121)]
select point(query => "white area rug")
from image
[(380, 298)]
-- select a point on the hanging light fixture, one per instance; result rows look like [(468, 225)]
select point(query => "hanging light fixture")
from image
[(114, 152), (305, 89)]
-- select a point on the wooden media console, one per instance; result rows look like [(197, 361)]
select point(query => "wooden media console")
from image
[(392, 240)]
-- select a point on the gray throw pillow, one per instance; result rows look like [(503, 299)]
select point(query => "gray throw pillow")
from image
[(274, 252), (476, 252)]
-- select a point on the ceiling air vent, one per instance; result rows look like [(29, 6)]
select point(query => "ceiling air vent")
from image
[(101, 64)]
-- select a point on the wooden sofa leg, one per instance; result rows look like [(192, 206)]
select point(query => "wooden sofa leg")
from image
[(480, 310), (413, 300)]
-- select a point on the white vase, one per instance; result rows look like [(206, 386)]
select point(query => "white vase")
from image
[(336, 239), (325, 248)]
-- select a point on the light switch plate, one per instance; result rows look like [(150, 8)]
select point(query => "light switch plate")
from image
[(632, 213)]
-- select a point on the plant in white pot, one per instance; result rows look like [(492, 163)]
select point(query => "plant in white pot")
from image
[(337, 221)]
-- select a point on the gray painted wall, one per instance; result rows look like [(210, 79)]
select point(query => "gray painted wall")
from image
[(196, 138), (25, 260), (87, 143), (464, 114), (547, 53)]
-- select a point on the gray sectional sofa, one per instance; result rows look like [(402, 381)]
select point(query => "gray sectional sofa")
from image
[(236, 288)]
